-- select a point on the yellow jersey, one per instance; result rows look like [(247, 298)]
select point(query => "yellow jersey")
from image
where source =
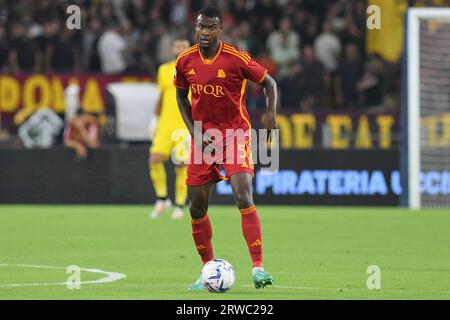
[(170, 114)]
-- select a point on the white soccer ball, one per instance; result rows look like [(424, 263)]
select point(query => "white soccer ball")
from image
[(218, 275)]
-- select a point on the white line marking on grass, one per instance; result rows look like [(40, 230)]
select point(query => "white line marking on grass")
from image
[(356, 289), (286, 287), (110, 276)]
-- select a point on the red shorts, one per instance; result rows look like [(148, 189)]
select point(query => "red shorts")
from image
[(205, 167)]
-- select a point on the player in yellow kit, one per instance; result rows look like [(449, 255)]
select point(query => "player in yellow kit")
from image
[(170, 140)]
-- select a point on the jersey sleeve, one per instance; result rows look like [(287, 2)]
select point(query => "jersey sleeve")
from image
[(254, 71), (179, 79)]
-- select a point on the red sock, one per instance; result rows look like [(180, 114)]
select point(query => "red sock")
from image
[(251, 229), (202, 233)]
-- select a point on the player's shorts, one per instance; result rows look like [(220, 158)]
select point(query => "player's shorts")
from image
[(232, 157), (174, 144)]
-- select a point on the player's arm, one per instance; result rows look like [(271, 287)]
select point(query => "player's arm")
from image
[(152, 126), (256, 73), (154, 121), (270, 91), (160, 81), (185, 109), (159, 106)]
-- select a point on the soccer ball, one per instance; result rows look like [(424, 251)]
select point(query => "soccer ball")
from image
[(218, 275)]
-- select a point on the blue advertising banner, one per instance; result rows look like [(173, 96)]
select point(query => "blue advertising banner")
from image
[(120, 175)]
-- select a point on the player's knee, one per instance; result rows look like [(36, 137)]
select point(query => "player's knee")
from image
[(243, 199), (197, 209)]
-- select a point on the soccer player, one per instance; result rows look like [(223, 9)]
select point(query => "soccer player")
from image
[(216, 74), (170, 138)]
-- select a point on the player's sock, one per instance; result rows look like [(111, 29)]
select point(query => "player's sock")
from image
[(180, 186), (251, 228), (202, 233), (159, 179)]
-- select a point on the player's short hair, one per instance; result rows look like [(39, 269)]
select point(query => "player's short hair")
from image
[(210, 12)]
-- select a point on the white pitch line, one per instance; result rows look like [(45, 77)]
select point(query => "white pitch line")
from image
[(356, 289), (286, 287), (110, 276)]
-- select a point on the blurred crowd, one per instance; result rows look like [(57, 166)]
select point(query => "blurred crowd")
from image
[(314, 48)]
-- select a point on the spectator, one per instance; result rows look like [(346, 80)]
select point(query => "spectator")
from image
[(44, 40), (237, 39), (371, 84), (327, 47), (46, 10), (283, 45), (265, 27), (336, 16), (62, 52), (91, 59), (111, 47), (250, 42), (106, 12), (266, 8), (4, 49), (32, 39), (164, 44), (4, 12), (136, 12), (310, 33), (356, 27), (179, 12), (312, 82), (300, 21), (23, 51), (289, 87), (131, 36), (241, 10), (347, 78)]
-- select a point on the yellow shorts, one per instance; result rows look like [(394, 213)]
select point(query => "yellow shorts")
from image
[(174, 144)]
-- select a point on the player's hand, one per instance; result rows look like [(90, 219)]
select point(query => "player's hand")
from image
[(270, 123), (206, 142), (202, 140)]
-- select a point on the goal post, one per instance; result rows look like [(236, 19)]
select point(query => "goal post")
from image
[(426, 98)]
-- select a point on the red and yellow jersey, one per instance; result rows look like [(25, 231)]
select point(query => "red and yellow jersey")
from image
[(218, 85)]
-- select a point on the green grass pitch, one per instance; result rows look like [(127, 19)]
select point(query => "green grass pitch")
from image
[(312, 252)]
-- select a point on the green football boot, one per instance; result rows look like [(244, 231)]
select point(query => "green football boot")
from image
[(261, 278), (197, 286)]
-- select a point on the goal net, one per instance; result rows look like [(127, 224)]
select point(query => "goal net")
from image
[(427, 109)]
